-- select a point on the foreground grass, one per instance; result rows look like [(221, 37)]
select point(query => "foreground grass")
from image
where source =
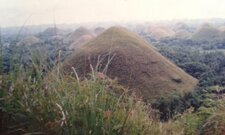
[(54, 104), (33, 101), (59, 104)]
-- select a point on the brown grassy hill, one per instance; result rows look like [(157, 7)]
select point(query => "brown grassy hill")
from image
[(160, 32), (99, 30), (182, 30), (81, 41), (180, 26), (135, 64), (79, 32), (183, 34), (52, 31), (29, 40), (206, 33), (222, 28)]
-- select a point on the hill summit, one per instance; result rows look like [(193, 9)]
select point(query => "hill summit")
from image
[(77, 34), (134, 62), (29, 40), (52, 31), (206, 33), (159, 32)]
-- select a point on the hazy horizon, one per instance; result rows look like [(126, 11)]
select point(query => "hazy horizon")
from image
[(35, 12)]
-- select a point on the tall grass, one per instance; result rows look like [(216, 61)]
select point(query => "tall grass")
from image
[(64, 104)]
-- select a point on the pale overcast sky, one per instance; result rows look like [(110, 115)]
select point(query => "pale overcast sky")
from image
[(15, 12)]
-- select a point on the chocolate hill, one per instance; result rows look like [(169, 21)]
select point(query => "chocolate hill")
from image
[(135, 63), (99, 30), (81, 41), (158, 32), (29, 40), (207, 33), (52, 31), (77, 34)]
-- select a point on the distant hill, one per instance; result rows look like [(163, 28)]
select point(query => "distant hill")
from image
[(78, 33), (183, 30), (183, 34), (207, 33), (99, 30), (81, 41), (222, 28), (29, 40), (158, 32), (52, 31), (136, 64)]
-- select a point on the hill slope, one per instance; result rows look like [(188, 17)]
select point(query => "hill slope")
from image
[(29, 40), (99, 30), (78, 33), (207, 33), (81, 41), (52, 31), (160, 32), (136, 64)]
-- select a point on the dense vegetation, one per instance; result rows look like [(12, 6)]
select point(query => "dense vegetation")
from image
[(53, 103), (207, 66), (64, 105), (205, 61), (36, 98)]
